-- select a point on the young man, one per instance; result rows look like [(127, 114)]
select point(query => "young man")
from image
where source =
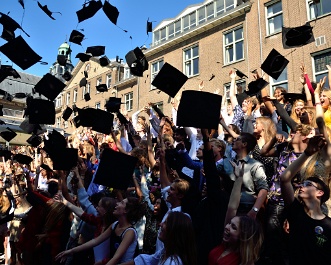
[(310, 229)]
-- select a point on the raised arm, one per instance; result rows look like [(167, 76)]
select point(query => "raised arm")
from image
[(305, 86), (233, 97), (268, 149), (225, 127)]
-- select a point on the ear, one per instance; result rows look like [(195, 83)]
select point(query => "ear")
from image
[(319, 194)]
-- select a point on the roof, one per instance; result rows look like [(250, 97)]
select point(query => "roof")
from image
[(22, 85)]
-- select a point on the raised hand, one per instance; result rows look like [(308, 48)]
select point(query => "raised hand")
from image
[(315, 144), (239, 169)]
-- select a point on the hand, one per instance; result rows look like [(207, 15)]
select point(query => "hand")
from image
[(233, 74), (329, 67), (180, 146), (322, 82), (62, 256), (252, 214), (302, 79), (280, 137), (146, 128), (268, 98), (303, 69), (315, 144), (238, 170), (217, 91)]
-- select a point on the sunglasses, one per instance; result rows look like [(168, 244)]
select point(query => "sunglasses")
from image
[(308, 184)]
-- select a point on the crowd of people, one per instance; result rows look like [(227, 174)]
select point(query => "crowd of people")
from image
[(255, 191)]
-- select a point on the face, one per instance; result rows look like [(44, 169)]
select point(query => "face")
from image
[(298, 107), (231, 232), (166, 129), (229, 109), (245, 105), (173, 195), (309, 189), (43, 172), (237, 144), (139, 127), (120, 207), (200, 152), (296, 137), (278, 95), (178, 137), (199, 135), (157, 207), (100, 209), (163, 230), (216, 149), (325, 102), (258, 126)]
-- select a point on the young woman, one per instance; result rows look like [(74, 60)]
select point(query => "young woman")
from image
[(123, 237)]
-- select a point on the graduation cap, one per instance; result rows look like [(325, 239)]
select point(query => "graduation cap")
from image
[(274, 64), (256, 86), (76, 37), (83, 56), (87, 97), (9, 26), (297, 36), (89, 10), (65, 159), (41, 111), (121, 118), (8, 97), (149, 26), (23, 159), (6, 154), (115, 169), (102, 88), (18, 51), (111, 12), (62, 59), (49, 86), (113, 104), (8, 135), (32, 128), (67, 113), (8, 70), (34, 140), (169, 80), (46, 167), (292, 97), (104, 61), (240, 74), (199, 109), (22, 3), (96, 50), (67, 76), (55, 143), (136, 61), (47, 11)]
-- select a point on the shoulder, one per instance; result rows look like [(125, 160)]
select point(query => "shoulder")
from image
[(173, 260)]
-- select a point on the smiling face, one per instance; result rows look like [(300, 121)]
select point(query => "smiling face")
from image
[(278, 95), (246, 104), (157, 207), (232, 232), (299, 105), (120, 207), (325, 101), (258, 126)]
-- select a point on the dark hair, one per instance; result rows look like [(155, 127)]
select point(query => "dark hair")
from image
[(109, 205), (53, 188), (322, 186), (249, 139), (135, 209), (235, 128), (181, 131)]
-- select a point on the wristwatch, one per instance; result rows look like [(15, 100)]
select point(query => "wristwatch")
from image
[(255, 209)]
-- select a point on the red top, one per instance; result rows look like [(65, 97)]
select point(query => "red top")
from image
[(230, 259)]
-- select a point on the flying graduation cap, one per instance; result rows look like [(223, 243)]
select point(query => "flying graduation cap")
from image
[(47, 11), (274, 64), (9, 26), (49, 86), (67, 113), (111, 12), (76, 37), (8, 70), (297, 36), (104, 61), (89, 9), (137, 61), (96, 50), (8, 135), (149, 26), (83, 57)]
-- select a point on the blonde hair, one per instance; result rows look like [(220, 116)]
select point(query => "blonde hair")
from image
[(327, 92), (294, 116), (269, 128)]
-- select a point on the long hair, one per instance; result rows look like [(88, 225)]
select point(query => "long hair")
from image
[(180, 239), (4, 202), (327, 92), (294, 116), (109, 205), (250, 241), (135, 209), (269, 128)]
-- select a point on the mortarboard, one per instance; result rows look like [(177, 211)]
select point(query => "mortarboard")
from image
[(67, 76), (9, 26), (104, 61), (136, 61), (87, 97), (8, 70), (85, 74), (96, 50), (67, 113), (20, 95), (34, 140), (47, 11), (149, 27), (115, 169), (102, 88), (55, 143), (8, 97), (49, 86), (23, 159), (111, 12), (240, 74), (76, 37), (89, 10), (46, 167), (32, 128), (256, 86), (6, 154), (65, 159), (41, 111), (121, 118), (83, 56), (169, 80), (22, 3), (274, 64), (298, 36), (241, 97), (20, 53), (199, 109), (113, 104), (292, 97), (62, 59), (8, 135)]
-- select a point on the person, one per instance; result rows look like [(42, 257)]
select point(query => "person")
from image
[(242, 237), (123, 237), (310, 229)]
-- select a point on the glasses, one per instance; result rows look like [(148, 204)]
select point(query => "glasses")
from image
[(308, 184)]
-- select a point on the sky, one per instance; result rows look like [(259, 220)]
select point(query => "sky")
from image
[(46, 35)]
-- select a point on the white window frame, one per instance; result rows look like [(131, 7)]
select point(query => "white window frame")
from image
[(75, 95), (189, 63), (269, 18), (128, 101), (99, 81), (58, 101), (319, 74), (68, 98), (233, 44), (311, 9), (66, 124), (109, 79), (238, 82), (211, 15), (158, 65), (58, 122), (279, 82), (86, 89)]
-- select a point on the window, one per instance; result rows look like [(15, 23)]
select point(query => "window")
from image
[(163, 34), (241, 87), (75, 95), (156, 37), (99, 81), (320, 61), (127, 73), (191, 61), (66, 124), (58, 101), (58, 122), (274, 18), (128, 101), (201, 14), (319, 9), (193, 20), (210, 10), (98, 105), (156, 67), (68, 98), (233, 46), (177, 28), (224, 6), (171, 31), (186, 24), (86, 89), (280, 82), (108, 81)]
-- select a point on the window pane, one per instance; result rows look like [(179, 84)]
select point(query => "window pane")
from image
[(220, 7), (321, 61), (193, 20), (275, 8), (156, 36), (239, 50), (201, 14), (282, 77), (238, 34), (210, 11), (187, 54), (228, 38), (320, 76), (195, 66), (171, 30), (229, 55), (275, 24), (177, 27), (229, 4), (185, 23), (188, 69), (195, 51), (326, 6), (163, 34)]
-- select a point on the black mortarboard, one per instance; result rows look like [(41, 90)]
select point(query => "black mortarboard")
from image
[(298, 36), (83, 82), (6, 154), (76, 37), (89, 10), (67, 76), (240, 74), (121, 118), (49, 86), (67, 113), (111, 12), (46, 10), (115, 169), (34, 140), (87, 97), (22, 3), (102, 88), (62, 59), (20, 95), (241, 97), (7, 70), (23, 159), (9, 26), (136, 61), (83, 56), (96, 50), (274, 64), (85, 74), (104, 61), (199, 109), (256, 86), (113, 104), (8, 135), (169, 80), (55, 143), (149, 27), (65, 159), (292, 97), (20, 53), (32, 128), (41, 111), (46, 167)]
